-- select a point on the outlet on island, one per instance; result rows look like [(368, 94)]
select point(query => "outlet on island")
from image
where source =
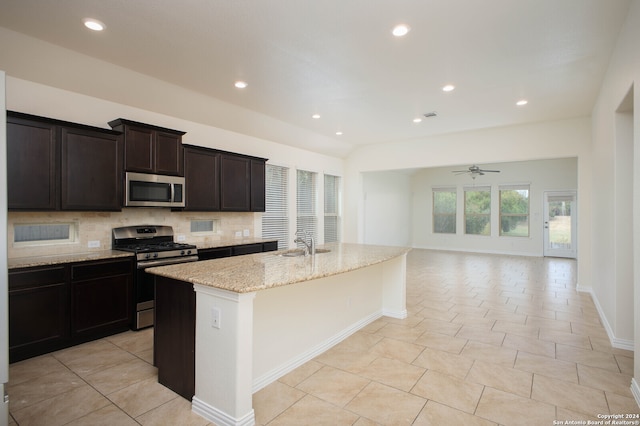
[(215, 318)]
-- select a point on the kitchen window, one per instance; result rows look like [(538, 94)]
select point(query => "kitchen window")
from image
[(444, 210), (275, 220), (44, 233), (332, 217), (306, 202), (514, 210), (477, 210)]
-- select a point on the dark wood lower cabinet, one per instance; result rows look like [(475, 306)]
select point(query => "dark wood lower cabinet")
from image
[(237, 250), (102, 298), (55, 307), (174, 337), (38, 311)]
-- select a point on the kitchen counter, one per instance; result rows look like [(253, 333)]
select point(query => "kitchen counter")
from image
[(26, 262), (55, 259), (268, 270), (226, 328)]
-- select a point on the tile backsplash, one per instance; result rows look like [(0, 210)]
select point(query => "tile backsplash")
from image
[(93, 227)]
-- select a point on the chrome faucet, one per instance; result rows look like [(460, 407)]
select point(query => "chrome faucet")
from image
[(309, 248)]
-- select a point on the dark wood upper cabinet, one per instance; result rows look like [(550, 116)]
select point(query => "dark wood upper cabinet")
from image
[(57, 165), (151, 149), (235, 190), (223, 181), (258, 186), (202, 179), (32, 163), (91, 169)]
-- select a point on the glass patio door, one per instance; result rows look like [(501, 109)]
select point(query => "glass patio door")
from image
[(560, 212)]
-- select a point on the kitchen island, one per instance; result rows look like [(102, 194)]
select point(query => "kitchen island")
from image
[(240, 323)]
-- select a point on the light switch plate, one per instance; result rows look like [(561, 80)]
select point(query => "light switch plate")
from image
[(94, 244)]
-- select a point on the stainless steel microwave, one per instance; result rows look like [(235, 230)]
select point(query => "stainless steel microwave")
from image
[(147, 190)]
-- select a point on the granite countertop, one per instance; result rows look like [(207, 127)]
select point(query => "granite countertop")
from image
[(261, 271), (26, 262), (55, 259)]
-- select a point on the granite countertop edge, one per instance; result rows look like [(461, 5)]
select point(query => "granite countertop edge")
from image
[(57, 259), (263, 271)]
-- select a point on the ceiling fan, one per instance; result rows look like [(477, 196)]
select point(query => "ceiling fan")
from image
[(475, 171)]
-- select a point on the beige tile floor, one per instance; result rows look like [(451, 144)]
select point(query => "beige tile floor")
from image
[(490, 340)]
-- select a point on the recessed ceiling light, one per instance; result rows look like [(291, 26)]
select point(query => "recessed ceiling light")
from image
[(315, 116), (240, 84), (417, 120), (448, 88), (338, 133), (522, 102), (94, 24), (400, 30)]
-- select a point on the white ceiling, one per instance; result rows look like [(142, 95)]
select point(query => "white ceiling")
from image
[(338, 58)]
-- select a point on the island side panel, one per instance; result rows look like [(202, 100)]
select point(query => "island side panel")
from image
[(223, 356), (394, 296), (295, 323), (174, 335)]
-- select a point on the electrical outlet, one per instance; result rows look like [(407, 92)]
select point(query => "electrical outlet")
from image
[(215, 318), (181, 238), (245, 233), (238, 233), (94, 244)]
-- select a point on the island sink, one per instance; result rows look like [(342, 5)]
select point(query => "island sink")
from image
[(300, 252)]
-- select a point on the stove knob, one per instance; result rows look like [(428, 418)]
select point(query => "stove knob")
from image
[(188, 251), (182, 253), (155, 255), (146, 256)]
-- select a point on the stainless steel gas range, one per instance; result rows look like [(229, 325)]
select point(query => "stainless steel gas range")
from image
[(153, 246)]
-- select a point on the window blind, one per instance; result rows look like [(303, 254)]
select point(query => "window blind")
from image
[(275, 219), (332, 217), (306, 205)]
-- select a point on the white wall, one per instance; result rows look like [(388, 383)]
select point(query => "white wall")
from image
[(541, 175), (612, 293), (387, 208)]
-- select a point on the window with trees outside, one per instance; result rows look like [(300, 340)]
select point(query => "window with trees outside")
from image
[(514, 210), (444, 210), (275, 219), (477, 210), (331, 209)]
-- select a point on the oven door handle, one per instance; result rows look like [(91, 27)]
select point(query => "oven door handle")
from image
[(161, 262)]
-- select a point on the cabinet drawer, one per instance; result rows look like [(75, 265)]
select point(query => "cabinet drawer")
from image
[(270, 246), (247, 249), (214, 253), (91, 270), (36, 277)]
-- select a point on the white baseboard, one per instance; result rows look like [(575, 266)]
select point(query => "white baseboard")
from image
[(220, 418), (292, 364), (481, 251), (615, 341), (635, 390), (396, 314)]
